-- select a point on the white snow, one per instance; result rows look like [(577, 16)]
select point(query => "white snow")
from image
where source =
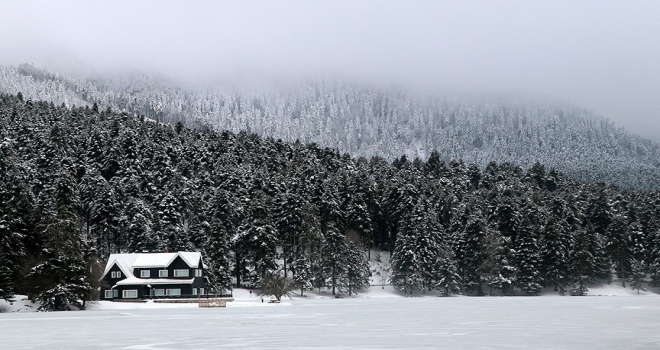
[(394, 323), (146, 260), (124, 261), (191, 258), (20, 303), (145, 281), (127, 262), (380, 317)]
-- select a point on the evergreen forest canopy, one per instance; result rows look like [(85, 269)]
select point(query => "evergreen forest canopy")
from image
[(77, 184), (366, 121)]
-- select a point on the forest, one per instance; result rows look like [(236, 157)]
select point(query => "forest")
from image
[(80, 183), (366, 120)]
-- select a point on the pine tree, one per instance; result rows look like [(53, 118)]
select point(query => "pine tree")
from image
[(58, 282), (354, 215), (637, 274), (304, 276), (529, 277), (556, 245), (257, 240), (6, 283), (333, 263), (619, 246), (357, 269), (588, 262), (449, 281), (471, 254), (287, 218), (170, 220), (137, 227), (60, 279), (218, 256), (497, 269), (12, 249), (416, 258)]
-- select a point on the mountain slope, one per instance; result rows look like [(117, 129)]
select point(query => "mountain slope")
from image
[(386, 122), (77, 184)]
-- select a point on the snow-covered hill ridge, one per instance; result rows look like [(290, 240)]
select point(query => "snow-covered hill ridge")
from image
[(386, 122)]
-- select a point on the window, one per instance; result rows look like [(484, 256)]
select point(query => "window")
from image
[(194, 291), (181, 273), (129, 294), (115, 293), (173, 292), (201, 291), (162, 273), (118, 274), (158, 292), (198, 272), (108, 294), (113, 274), (145, 273)]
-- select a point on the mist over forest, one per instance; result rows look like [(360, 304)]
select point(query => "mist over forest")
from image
[(593, 55)]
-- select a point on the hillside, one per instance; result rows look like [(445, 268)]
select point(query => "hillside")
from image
[(77, 184), (366, 121)]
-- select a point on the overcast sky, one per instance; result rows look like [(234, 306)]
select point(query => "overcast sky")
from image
[(604, 55)]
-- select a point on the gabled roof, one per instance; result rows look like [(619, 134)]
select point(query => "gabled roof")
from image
[(127, 262), (151, 260), (123, 261), (149, 281)]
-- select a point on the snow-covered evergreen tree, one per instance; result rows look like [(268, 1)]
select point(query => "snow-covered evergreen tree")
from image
[(529, 260), (556, 249)]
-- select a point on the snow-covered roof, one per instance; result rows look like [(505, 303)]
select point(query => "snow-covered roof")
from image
[(147, 260), (191, 258), (124, 261), (150, 260), (127, 262), (151, 281)]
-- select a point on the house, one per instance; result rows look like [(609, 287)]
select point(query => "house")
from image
[(153, 275)]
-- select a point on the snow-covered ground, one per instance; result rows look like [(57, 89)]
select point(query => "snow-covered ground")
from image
[(611, 317), (359, 323)]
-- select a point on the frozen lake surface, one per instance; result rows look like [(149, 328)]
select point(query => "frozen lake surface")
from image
[(450, 323)]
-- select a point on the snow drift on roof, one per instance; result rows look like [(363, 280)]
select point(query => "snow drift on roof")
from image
[(127, 262), (152, 281), (154, 259), (124, 261)]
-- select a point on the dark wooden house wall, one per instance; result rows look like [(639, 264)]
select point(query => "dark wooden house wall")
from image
[(145, 292)]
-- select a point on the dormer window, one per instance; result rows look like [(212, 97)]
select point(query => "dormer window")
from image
[(145, 273), (115, 274), (181, 273)]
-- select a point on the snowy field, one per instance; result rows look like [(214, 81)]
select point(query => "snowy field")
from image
[(604, 322)]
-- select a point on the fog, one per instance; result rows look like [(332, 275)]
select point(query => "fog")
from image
[(600, 55)]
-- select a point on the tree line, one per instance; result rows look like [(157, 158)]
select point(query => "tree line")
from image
[(79, 183)]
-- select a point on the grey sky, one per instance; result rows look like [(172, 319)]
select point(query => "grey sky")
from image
[(603, 55)]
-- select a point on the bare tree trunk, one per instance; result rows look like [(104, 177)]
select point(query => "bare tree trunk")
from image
[(334, 279), (284, 259), (238, 272), (623, 276)]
